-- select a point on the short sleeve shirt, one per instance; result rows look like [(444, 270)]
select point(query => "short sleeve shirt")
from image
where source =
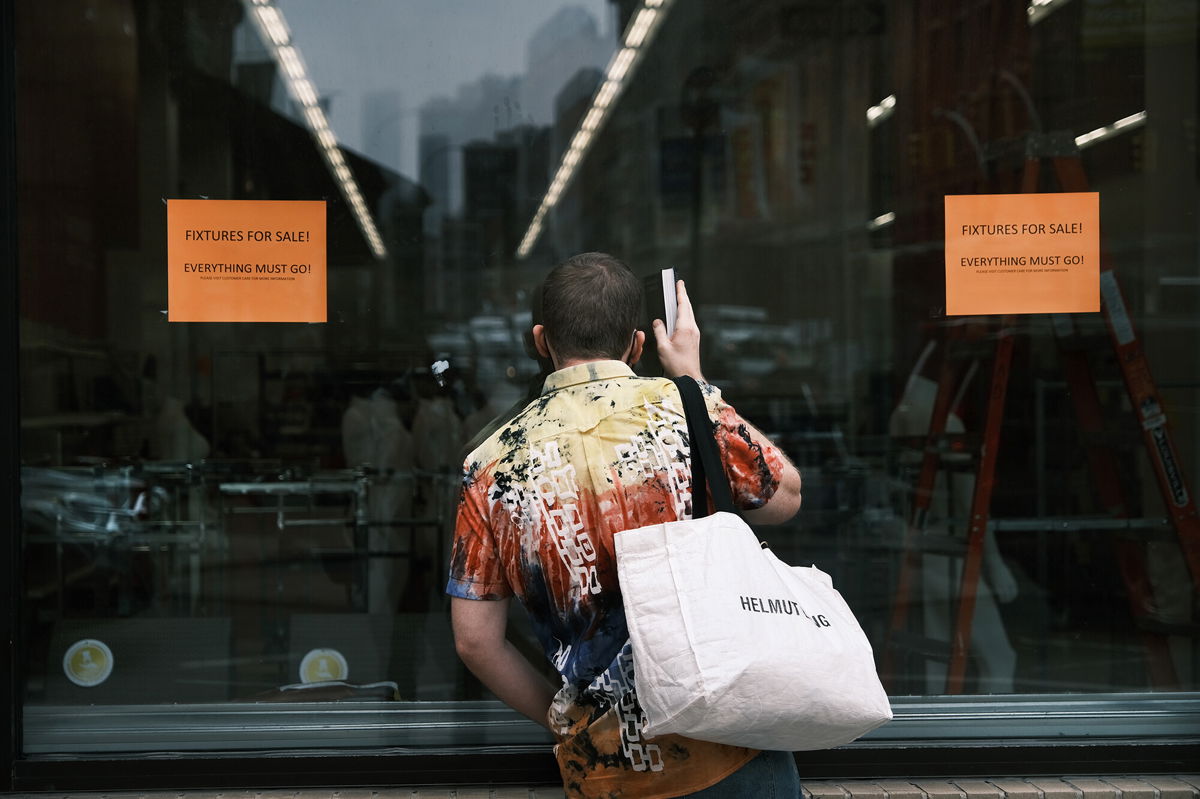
[(600, 451)]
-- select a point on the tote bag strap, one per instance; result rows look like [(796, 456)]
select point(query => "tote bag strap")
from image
[(706, 460)]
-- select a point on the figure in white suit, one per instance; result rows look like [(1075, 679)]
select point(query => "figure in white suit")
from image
[(374, 437), (941, 574)]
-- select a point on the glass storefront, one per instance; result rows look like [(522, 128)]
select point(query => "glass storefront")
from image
[(234, 534)]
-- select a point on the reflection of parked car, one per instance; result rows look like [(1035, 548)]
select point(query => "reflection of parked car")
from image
[(491, 345), (452, 342), (491, 334), (744, 344), (499, 350)]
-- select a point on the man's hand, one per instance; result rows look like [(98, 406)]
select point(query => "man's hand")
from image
[(680, 354)]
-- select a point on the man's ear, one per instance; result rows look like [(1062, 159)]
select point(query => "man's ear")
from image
[(539, 341), (635, 350)]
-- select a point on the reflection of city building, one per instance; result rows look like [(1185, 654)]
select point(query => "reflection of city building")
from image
[(567, 43), (484, 158), (382, 128), (476, 112), (489, 184), (434, 156), (716, 158), (459, 246), (570, 104)]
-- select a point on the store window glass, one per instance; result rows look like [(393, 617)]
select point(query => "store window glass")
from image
[(233, 520)]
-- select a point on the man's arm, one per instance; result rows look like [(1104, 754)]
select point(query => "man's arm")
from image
[(479, 638), (785, 502), (680, 355)]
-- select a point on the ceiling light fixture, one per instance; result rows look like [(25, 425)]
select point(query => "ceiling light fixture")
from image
[(1123, 125), (277, 38)]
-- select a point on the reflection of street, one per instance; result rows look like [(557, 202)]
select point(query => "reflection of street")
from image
[(488, 351), (743, 345)]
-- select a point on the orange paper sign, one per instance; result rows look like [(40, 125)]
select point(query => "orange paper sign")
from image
[(246, 261), (1022, 253)]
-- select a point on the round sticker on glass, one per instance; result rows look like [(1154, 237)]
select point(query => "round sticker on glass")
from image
[(88, 662), (323, 665)]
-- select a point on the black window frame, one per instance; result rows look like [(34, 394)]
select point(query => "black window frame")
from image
[(9, 413)]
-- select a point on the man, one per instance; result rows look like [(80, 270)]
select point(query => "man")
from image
[(600, 451)]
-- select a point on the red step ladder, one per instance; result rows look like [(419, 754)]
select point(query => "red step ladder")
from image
[(1063, 156)]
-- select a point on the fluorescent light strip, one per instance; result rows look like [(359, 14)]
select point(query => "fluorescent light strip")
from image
[(642, 24), (620, 64), (618, 74), (289, 59), (315, 116), (305, 91), (607, 90), (1040, 9), (882, 221), (583, 138), (277, 38), (273, 24), (878, 113), (1123, 125), (593, 118)]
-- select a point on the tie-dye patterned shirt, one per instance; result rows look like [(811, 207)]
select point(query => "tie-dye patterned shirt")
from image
[(600, 451)]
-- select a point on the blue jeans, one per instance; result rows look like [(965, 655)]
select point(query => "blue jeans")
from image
[(770, 775)]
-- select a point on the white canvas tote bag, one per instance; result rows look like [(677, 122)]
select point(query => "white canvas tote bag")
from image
[(731, 644)]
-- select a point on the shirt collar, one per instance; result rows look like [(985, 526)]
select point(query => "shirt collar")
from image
[(586, 373)]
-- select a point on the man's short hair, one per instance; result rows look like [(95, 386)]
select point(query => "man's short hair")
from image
[(591, 304)]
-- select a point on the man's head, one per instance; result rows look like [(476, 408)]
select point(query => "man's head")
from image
[(591, 304)]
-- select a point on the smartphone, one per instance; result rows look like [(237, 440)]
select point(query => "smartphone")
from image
[(660, 299)]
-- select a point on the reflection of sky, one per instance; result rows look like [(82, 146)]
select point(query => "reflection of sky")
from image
[(419, 48)]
